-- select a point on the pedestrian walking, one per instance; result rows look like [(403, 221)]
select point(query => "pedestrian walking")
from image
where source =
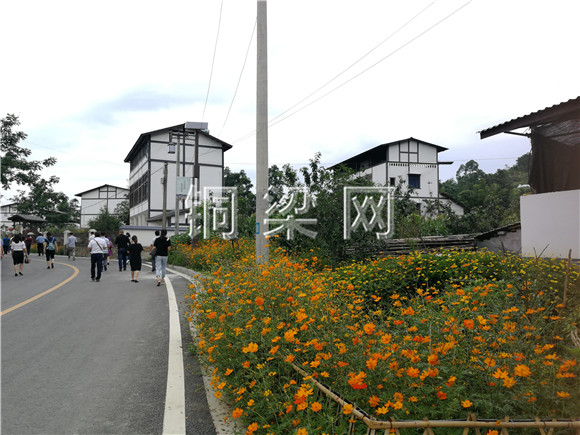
[(153, 251), (18, 248), (50, 249), (122, 242), (71, 244), (6, 244), (40, 239), (107, 242), (162, 245), (96, 247), (28, 242), (135, 249)]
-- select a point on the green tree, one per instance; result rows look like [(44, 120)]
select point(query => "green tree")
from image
[(246, 209), (105, 222), (16, 167), (123, 211), (42, 200)]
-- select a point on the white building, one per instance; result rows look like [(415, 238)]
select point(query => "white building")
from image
[(411, 161), (201, 161), (95, 200)]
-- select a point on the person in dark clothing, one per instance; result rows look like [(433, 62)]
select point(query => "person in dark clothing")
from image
[(134, 250), (122, 242), (162, 245)]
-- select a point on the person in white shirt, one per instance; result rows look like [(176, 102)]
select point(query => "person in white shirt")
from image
[(18, 249), (97, 247), (71, 246)]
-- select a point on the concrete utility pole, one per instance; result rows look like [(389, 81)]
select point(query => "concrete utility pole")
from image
[(177, 163), (262, 252), (164, 218)]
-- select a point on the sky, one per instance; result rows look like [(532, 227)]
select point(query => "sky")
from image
[(87, 78)]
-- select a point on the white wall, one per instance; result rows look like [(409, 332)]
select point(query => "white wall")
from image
[(551, 223)]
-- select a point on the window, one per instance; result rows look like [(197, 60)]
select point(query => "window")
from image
[(415, 181), (392, 181)]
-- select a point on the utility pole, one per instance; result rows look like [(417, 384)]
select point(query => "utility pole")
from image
[(164, 182), (176, 185), (262, 252)]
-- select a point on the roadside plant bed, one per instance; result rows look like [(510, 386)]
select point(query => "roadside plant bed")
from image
[(490, 337)]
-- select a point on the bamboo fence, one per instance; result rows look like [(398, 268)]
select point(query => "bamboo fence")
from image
[(376, 427)]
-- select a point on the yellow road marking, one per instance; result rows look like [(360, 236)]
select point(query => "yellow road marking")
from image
[(21, 304)]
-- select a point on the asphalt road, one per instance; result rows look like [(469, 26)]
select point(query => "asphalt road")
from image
[(84, 357)]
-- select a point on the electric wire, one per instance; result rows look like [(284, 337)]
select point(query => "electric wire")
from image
[(240, 77), (272, 123), (355, 62), (213, 60)]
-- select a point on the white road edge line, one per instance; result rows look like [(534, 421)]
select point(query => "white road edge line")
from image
[(220, 411), (174, 416)]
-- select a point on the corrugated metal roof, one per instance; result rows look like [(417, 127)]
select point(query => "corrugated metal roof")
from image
[(567, 110)]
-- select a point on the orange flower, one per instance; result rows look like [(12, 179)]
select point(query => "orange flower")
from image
[(347, 409), (492, 432), (522, 371), (451, 381), (259, 301), (466, 403), (246, 364), (563, 394), (301, 431), (357, 381), (409, 311), (469, 324), (250, 348), (252, 428), (236, 413), (386, 338), (432, 359), (316, 406), (289, 358), (369, 328), (441, 395), (413, 372), (509, 382), (371, 363), (374, 401)]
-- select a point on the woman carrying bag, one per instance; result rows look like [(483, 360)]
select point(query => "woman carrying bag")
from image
[(19, 253)]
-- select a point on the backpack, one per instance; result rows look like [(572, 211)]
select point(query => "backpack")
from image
[(50, 245)]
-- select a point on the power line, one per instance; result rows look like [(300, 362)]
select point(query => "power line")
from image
[(376, 63), (273, 122), (240, 78), (213, 60), (355, 62)]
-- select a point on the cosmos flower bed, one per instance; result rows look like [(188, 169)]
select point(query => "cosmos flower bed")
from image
[(434, 335)]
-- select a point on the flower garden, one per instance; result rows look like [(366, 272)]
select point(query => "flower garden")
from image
[(438, 336)]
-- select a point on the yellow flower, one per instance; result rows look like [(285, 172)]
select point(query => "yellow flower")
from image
[(563, 394), (466, 403)]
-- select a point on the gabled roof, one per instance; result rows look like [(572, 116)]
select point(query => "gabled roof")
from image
[(380, 149), (569, 110), (144, 137), (26, 218), (98, 187)]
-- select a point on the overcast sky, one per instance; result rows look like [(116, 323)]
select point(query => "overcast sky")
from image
[(87, 78)]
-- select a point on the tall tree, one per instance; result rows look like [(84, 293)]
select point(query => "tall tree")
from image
[(16, 167), (43, 200), (246, 209)]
